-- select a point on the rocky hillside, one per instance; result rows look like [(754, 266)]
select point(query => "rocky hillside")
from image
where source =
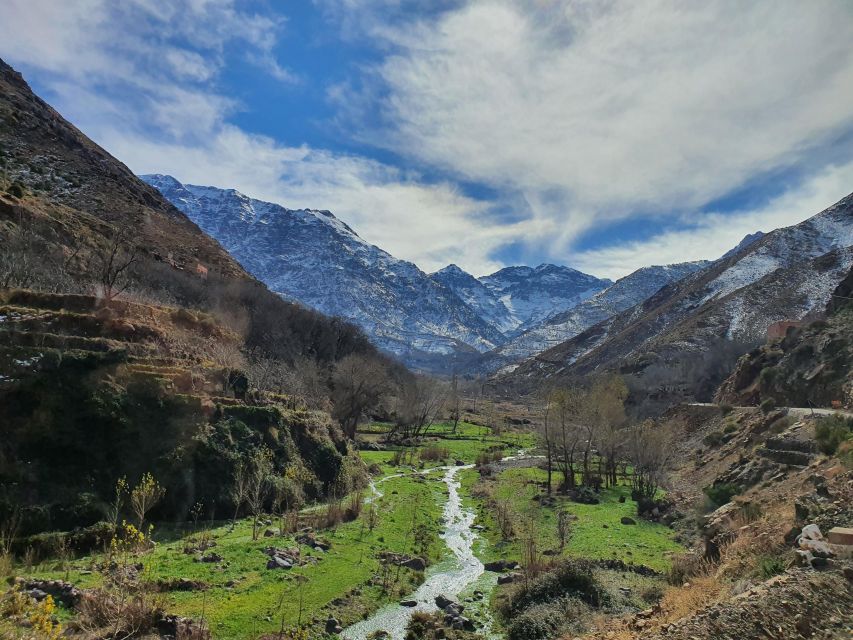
[(534, 294), (810, 365), (90, 393), (789, 273), (67, 204), (312, 257), (623, 294)]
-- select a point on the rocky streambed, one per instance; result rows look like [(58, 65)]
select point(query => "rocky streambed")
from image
[(444, 581)]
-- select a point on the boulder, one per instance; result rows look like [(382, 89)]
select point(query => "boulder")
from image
[(417, 564), (627, 520), (333, 626), (408, 603), (499, 566)]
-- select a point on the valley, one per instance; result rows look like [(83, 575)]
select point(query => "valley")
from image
[(223, 418)]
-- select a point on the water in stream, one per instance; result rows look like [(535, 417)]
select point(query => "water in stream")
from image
[(449, 577)]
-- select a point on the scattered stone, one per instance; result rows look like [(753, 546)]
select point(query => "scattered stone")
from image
[(210, 557), (499, 566)]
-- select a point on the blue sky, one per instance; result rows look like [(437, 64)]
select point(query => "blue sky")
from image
[(604, 136)]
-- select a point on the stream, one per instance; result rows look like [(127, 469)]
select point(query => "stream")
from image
[(449, 577)]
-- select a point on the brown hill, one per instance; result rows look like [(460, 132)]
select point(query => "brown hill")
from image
[(67, 203)]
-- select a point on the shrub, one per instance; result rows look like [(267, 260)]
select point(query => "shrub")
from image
[(15, 190), (730, 428), (831, 432), (768, 405), (726, 409), (433, 453), (722, 493), (686, 566), (569, 578), (713, 439), (769, 566)]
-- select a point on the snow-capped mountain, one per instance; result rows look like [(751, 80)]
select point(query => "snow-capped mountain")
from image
[(787, 274), (477, 296), (623, 294), (534, 294), (312, 257)]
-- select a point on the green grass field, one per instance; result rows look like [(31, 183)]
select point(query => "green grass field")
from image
[(596, 533), (259, 596)]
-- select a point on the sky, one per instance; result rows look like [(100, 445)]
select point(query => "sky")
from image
[(598, 134)]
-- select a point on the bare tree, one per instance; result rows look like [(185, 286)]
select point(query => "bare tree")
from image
[(114, 262), (454, 402), (650, 451), (419, 403), (239, 489), (358, 384)]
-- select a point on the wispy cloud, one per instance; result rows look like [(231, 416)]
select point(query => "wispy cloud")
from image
[(605, 111), (714, 233)]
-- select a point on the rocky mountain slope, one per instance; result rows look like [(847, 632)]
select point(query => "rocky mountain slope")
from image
[(314, 258), (534, 294), (810, 365), (788, 273), (623, 294), (432, 321), (67, 203)]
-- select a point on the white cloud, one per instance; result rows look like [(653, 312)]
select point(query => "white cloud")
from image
[(715, 233), (587, 113), (142, 91), (596, 111)]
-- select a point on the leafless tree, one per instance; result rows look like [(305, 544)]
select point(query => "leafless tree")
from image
[(650, 451), (113, 264), (419, 402), (454, 402), (358, 384)]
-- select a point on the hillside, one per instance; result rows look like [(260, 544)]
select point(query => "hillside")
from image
[(68, 204), (720, 311), (810, 365), (623, 294), (92, 393)]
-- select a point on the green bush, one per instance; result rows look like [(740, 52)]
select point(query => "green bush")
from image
[(831, 432), (722, 493), (730, 428), (769, 566), (15, 190), (713, 439), (726, 409), (547, 620), (570, 578), (768, 405)]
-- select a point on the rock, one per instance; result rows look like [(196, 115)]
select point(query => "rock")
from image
[(278, 562), (333, 626), (211, 557), (269, 533), (408, 603), (840, 536), (622, 499), (460, 463), (508, 578), (441, 601), (627, 520), (499, 566), (417, 564)]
